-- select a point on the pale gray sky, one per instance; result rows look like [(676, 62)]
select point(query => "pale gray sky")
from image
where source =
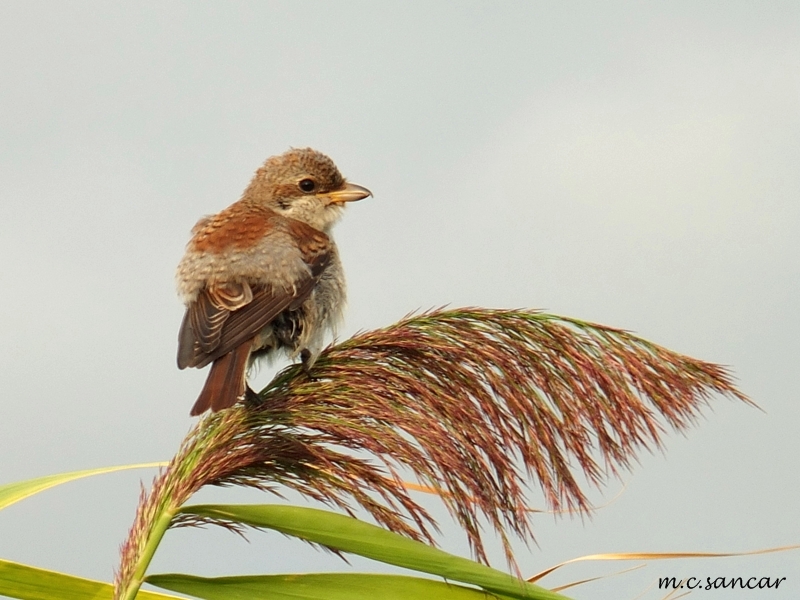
[(636, 164)]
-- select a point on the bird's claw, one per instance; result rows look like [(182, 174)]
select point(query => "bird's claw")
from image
[(251, 398)]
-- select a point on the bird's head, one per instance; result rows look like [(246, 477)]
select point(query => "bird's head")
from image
[(303, 184)]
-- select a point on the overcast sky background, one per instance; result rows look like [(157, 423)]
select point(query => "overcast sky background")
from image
[(635, 164)]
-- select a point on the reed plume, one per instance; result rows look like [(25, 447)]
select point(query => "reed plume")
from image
[(476, 403)]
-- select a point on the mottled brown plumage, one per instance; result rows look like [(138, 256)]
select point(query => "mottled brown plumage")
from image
[(264, 274)]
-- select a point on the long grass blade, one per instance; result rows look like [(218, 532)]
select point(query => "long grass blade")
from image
[(19, 490), (347, 534), (32, 583), (317, 586), (658, 556)]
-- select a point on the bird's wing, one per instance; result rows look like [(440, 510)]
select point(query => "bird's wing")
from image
[(225, 316), (212, 309)]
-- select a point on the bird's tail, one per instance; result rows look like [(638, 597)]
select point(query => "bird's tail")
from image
[(226, 381)]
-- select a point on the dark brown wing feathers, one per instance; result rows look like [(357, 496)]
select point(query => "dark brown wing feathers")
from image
[(207, 320), (225, 317), (204, 320), (186, 347), (245, 323)]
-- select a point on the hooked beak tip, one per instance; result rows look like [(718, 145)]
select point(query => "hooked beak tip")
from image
[(350, 192)]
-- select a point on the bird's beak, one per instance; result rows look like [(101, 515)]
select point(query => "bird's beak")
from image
[(349, 193)]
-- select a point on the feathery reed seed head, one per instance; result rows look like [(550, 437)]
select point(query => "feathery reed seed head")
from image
[(475, 402)]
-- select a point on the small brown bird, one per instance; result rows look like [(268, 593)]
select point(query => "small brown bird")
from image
[(264, 275)]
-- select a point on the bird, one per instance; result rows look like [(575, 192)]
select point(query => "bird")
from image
[(263, 276)]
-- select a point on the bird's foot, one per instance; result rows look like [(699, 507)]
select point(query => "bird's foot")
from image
[(305, 359), (251, 398)]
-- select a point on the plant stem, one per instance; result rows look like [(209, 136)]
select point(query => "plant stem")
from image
[(153, 540)]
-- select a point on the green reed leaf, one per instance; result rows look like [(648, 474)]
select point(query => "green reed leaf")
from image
[(32, 583), (347, 534), (317, 586), (19, 490)]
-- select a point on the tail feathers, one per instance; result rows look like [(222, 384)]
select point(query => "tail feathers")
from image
[(226, 381)]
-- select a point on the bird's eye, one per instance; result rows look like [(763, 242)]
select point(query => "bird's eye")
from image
[(307, 185)]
